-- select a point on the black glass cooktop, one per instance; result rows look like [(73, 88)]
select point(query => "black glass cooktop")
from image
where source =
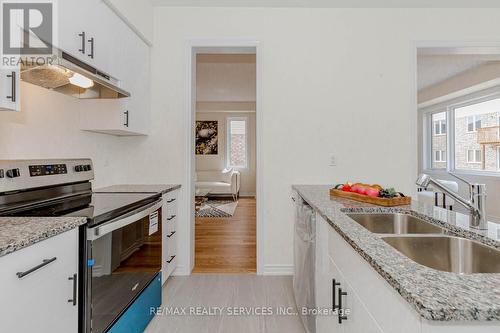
[(96, 207)]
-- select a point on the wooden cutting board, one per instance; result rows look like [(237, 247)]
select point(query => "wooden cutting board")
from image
[(386, 202)]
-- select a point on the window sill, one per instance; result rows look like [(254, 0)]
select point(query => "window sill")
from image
[(485, 174)]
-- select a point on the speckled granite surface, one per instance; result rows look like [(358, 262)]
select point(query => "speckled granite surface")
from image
[(139, 188), (435, 295), (19, 232)]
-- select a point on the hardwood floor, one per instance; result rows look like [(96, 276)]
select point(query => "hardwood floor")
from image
[(227, 292), (227, 245)]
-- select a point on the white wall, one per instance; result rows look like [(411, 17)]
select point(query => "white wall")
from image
[(218, 162), (138, 14), (333, 81)]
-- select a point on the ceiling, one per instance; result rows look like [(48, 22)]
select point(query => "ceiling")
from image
[(333, 3)]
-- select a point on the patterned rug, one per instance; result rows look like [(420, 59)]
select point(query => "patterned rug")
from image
[(217, 208)]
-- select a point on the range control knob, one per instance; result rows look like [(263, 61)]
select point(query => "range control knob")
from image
[(13, 173)]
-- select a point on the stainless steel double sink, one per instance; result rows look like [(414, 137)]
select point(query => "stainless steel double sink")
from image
[(427, 244)]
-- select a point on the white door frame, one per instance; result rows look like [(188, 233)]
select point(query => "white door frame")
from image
[(190, 116)]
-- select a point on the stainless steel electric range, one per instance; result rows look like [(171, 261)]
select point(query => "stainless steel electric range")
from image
[(120, 246)]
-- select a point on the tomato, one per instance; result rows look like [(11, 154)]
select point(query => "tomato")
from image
[(373, 192), (346, 188)]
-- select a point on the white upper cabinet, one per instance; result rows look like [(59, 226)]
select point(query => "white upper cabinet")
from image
[(9, 90), (90, 31)]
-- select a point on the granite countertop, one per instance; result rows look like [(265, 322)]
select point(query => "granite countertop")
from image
[(19, 232), (435, 295), (140, 188)]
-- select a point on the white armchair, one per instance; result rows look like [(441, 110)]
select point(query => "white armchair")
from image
[(225, 182)]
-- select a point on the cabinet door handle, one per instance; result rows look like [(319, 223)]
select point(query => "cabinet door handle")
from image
[(75, 289), (171, 217), (126, 118), (45, 262), (12, 96), (91, 41), (171, 234), (171, 258), (171, 200), (82, 35), (334, 287), (341, 317)]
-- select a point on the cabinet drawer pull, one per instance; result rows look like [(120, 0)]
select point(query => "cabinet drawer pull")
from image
[(171, 200), (171, 258), (82, 35), (75, 289), (91, 41), (171, 217), (334, 287), (12, 96), (341, 317), (171, 234), (126, 113), (45, 262)]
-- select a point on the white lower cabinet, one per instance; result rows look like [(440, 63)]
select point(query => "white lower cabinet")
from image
[(169, 234), (44, 299), (374, 305)]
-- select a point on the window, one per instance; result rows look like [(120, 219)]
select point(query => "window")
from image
[(237, 150), (474, 156), (473, 123), (453, 136), (439, 140), (440, 127), (440, 156)]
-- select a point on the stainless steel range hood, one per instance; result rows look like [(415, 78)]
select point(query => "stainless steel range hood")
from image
[(66, 74)]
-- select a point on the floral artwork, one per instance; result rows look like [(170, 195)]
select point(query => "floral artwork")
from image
[(207, 138)]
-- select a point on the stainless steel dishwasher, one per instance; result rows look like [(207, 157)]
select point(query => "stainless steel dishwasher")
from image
[(304, 262)]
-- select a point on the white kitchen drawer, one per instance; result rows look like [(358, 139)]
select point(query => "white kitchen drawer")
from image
[(43, 295), (171, 224)]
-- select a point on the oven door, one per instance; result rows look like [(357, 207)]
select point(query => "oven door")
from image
[(123, 256)]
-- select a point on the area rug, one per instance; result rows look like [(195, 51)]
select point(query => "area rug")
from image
[(217, 208)]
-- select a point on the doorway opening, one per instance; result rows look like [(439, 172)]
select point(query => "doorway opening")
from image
[(225, 159)]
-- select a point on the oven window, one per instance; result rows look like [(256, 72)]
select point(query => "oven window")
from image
[(125, 261)]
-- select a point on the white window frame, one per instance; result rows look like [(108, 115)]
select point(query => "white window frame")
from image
[(475, 161), (428, 130), (442, 156), (439, 122), (475, 118), (228, 143), (498, 158)]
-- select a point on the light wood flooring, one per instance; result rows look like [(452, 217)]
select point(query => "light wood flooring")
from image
[(227, 245), (227, 291)]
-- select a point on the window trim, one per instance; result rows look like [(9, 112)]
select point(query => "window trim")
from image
[(474, 154), (427, 131), (228, 143), (474, 121)]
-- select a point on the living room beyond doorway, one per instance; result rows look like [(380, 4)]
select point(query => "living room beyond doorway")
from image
[(225, 160)]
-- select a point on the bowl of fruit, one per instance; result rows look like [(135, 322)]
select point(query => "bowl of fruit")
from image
[(370, 193)]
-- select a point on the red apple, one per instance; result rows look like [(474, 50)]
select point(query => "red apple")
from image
[(372, 192)]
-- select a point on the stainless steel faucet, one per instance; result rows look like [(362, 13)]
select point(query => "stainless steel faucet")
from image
[(475, 203)]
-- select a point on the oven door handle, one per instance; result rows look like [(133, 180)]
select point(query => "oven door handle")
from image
[(122, 221)]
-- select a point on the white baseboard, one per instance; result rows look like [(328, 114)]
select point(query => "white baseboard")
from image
[(278, 270), (181, 271), (247, 194)]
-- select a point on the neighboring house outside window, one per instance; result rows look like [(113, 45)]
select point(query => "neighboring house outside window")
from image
[(440, 156), (474, 156), (440, 127), (473, 123)]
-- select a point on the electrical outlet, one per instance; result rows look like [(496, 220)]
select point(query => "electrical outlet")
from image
[(333, 160)]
